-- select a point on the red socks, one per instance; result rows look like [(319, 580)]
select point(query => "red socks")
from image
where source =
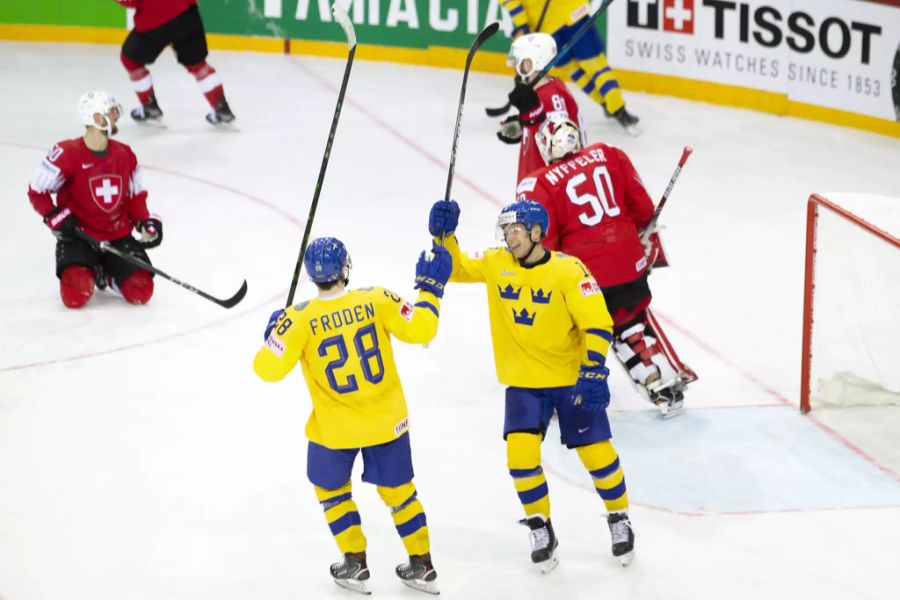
[(76, 285)]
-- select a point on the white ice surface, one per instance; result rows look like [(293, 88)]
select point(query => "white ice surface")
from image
[(140, 457)]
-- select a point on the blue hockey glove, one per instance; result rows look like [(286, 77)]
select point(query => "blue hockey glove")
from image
[(443, 218), (591, 392), (273, 321), (432, 272)]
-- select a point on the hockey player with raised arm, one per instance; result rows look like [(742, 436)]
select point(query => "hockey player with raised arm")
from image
[(598, 205), (528, 55), (342, 340), (551, 333), (99, 191)]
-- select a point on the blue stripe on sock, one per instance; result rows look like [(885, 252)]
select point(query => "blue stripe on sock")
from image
[(406, 503), (522, 473), (534, 494), (613, 493), (608, 87), (332, 502), (344, 523), (606, 471), (412, 526)]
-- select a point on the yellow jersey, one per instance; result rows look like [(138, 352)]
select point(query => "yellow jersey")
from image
[(546, 320), (344, 347), (525, 14)]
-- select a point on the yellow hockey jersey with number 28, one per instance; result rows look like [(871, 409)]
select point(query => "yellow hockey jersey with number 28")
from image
[(344, 347), (546, 320)]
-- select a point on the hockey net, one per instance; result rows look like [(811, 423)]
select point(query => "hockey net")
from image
[(851, 305)]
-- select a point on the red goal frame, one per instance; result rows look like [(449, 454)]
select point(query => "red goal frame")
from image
[(809, 285)]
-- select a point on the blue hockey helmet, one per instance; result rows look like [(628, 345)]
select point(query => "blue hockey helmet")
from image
[(527, 212), (327, 260)]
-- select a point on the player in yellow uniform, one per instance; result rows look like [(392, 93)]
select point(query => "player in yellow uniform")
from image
[(342, 340), (551, 333), (586, 63)]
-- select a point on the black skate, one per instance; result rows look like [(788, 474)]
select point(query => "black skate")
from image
[(669, 399), (543, 542), (622, 537), (627, 120), (221, 115), (419, 574), (149, 114), (100, 278), (353, 573)]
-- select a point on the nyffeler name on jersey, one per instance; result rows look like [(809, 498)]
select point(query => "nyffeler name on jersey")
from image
[(558, 172), (339, 318)]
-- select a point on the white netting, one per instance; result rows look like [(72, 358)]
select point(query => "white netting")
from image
[(856, 306)]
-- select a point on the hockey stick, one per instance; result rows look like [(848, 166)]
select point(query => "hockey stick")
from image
[(486, 33), (502, 110), (344, 21), (651, 226), (577, 36), (134, 260)]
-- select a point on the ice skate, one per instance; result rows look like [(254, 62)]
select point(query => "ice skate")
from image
[(352, 573), (149, 114), (419, 574), (543, 542), (221, 115), (622, 537), (667, 396), (628, 121)]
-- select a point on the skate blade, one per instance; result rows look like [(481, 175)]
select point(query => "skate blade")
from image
[(549, 564), (152, 123), (633, 130), (627, 558), (354, 585), (667, 412), (429, 587)]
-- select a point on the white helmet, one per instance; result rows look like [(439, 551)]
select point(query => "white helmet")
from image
[(557, 138), (529, 54), (95, 102)]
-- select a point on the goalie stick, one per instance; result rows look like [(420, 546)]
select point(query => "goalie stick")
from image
[(134, 260), (344, 21), (651, 226), (496, 112)]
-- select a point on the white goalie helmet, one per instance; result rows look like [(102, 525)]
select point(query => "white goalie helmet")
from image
[(557, 138), (95, 102), (529, 54)]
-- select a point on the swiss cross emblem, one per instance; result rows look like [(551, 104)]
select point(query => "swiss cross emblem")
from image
[(678, 16), (106, 191)]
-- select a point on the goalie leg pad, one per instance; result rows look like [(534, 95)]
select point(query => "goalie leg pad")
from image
[(76, 285), (137, 288), (637, 347)]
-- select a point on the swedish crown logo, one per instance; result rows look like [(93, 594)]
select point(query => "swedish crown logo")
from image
[(538, 296), (509, 292), (523, 318)]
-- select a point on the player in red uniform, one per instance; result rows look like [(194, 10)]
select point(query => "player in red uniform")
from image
[(97, 182), (598, 205), (528, 55), (158, 23)]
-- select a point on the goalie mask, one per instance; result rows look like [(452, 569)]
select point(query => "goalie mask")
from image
[(557, 138), (96, 102), (529, 54), (327, 260)]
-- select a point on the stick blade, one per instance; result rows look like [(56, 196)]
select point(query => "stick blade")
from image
[(234, 300), (343, 19), (498, 111)]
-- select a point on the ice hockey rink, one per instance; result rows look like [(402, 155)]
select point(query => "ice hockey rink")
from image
[(141, 458)]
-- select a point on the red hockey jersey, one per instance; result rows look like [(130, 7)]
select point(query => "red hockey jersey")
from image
[(597, 204), (151, 14), (105, 193), (555, 100)]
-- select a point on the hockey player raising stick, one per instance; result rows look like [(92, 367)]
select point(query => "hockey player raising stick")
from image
[(528, 55), (597, 205), (98, 187), (342, 339), (551, 333)]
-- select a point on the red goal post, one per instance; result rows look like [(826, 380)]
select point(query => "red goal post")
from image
[(815, 204)]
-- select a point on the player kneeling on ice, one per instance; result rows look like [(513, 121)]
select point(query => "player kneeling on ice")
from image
[(598, 204), (342, 338), (551, 333), (99, 195)]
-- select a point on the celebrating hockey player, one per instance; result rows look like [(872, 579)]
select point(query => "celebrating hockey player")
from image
[(158, 23), (528, 55), (551, 333), (597, 205), (99, 192), (342, 339), (586, 63)]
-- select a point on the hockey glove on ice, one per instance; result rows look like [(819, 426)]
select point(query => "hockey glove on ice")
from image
[(443, 218), (62, 222), (591, 392), (273, 321), (151, 232), (524, 98), (433, 270), (510, 130)]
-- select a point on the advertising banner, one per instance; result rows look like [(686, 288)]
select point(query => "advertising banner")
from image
[(839, 54)]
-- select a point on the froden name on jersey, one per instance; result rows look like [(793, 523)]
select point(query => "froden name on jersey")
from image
[(563, 169)]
